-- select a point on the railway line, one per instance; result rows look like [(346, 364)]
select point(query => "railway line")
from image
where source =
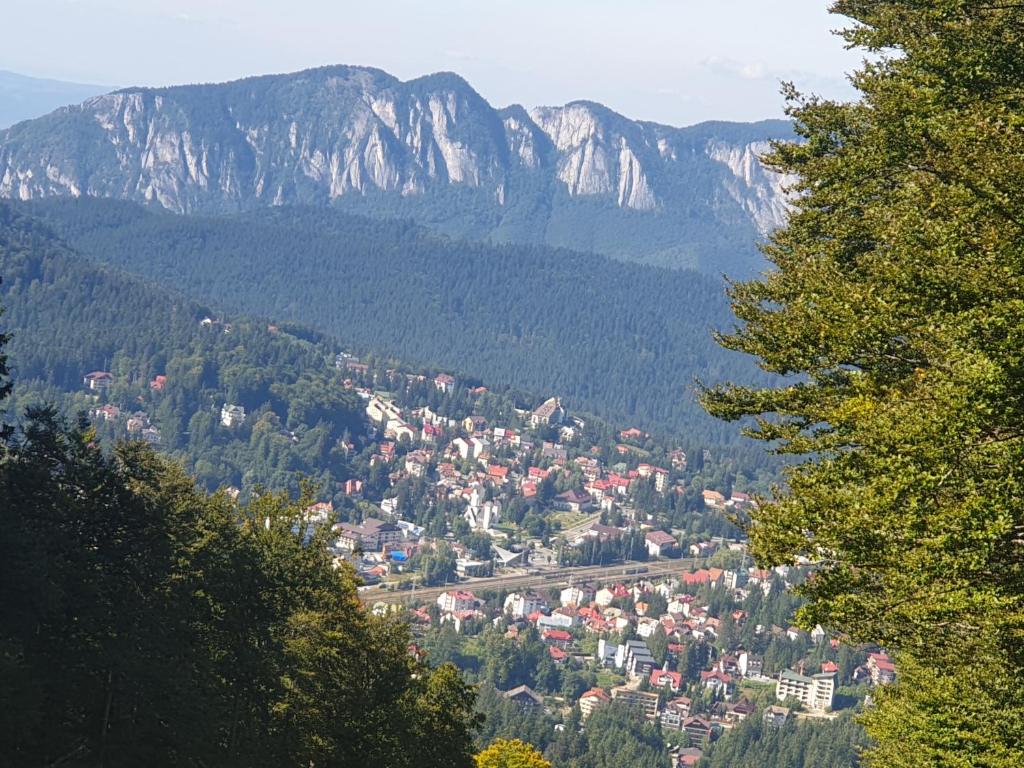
[(559, 577)]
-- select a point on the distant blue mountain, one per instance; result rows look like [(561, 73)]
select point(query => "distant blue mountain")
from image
[(25, 98)]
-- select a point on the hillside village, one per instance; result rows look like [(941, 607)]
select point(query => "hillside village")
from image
[(696, 652), (451, 485)]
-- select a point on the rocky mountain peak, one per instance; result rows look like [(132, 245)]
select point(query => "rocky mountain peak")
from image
[(342, 134)]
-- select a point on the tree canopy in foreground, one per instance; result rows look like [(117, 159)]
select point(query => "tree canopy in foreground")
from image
[(506, 753), (897, 303), (143, 621)]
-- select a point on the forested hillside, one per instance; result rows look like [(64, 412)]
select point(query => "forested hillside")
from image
[(621, 341), (819, 743), (69, 317)]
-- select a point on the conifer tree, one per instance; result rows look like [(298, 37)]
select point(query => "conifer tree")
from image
[(895, 307)]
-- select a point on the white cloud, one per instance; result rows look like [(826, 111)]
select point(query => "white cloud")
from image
[(750, 70)]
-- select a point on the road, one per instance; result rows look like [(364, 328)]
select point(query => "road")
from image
[(571, 533), (561, 577)]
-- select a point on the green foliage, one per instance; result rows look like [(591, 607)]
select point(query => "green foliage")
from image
[(609, 338), (897, 297), (505, 719), (69, 317), (614, 736), (511, 754), (797, 744), (143, 621)]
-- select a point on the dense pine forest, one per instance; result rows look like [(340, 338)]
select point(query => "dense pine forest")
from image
[(73, 317), (621, 341)]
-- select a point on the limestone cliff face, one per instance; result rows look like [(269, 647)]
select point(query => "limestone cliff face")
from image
[(344, 133), (315, 135), (595, 155), (762, 192)]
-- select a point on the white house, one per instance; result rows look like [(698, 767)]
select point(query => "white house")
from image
[(232, 415), (456, 600), (522, 604)]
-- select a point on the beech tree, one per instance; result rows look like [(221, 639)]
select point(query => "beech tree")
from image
[(895, 310), (505, 753)]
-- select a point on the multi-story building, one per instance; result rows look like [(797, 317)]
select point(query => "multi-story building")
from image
[(675, 713), (591, 699), (882, 670), (98, 380), (456, 600), (814, 692), (522, 604), (646, 701), (635, 658), (547, 413), (371, 535), (232, 415)]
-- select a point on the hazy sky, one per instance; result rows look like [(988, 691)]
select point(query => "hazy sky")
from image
[(674, 61)]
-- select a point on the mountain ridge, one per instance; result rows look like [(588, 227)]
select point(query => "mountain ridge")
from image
[(580, 175)]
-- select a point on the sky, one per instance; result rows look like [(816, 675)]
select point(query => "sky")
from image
[(672, 61)]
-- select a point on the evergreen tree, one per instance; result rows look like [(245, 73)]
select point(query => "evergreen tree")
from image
[(895, 308)]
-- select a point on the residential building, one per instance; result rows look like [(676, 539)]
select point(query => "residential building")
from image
[(582, 594), (232, 416), (675, 713), (524, 696), (635, 659), (547, 413), (739, 711), (522, 604), (814, 692), (606, 653), (661, 544), (776, 716), (371, 535), (559, 638), (98, 380), (456, 600), (662, 677), (713, 499), (444, 383), (107, 413), (646, 701), (749, 664), (591, 699), (573, 501), (417, 463), (699, 730), (882, 670), (382, 411), (556, 620), (718, 682)]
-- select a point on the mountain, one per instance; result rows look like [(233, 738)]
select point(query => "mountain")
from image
[(24, 98), (622, 341), (431, 149)]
